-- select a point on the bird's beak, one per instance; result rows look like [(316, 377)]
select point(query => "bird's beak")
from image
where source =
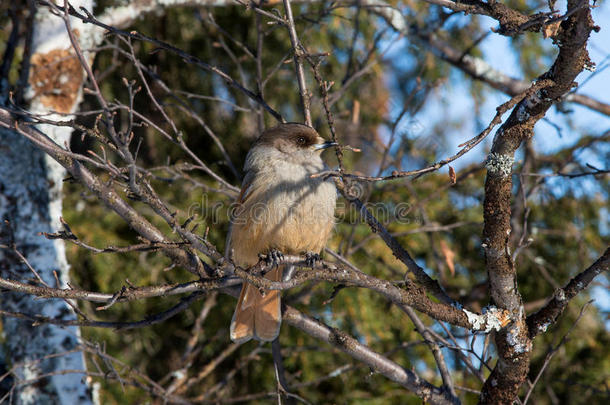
[(327, 144)]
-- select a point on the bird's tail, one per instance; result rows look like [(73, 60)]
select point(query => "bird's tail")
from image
[(257, 316)]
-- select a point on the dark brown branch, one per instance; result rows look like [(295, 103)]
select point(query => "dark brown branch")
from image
[(126, 294), (67, 235), (409, 295), (538, 322), (514, 343)]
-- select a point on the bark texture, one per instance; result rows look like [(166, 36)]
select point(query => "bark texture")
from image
[(45, 359)]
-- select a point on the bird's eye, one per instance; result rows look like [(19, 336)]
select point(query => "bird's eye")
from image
[(301, 140)]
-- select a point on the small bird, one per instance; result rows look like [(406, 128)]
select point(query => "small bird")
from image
[(281, 210)]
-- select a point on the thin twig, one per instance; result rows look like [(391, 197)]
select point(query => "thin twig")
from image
[(298, 55)]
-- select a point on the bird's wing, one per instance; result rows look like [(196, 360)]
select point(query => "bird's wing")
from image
[(247, 186), (247, 190)]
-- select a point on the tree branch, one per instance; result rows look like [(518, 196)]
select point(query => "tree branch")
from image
[(316, 329), (297, 48), (539, 321), (105, 193), (514, 343), (376, 361), (148, 321)]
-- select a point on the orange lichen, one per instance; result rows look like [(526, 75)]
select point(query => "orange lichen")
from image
[(504, 317), (56, 77)]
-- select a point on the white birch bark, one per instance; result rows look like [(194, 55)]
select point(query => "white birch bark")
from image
[(47, 365)]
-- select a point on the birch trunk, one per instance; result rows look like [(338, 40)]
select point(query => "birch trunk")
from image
[(47, 365)]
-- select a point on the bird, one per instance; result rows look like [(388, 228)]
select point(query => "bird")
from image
[(281, 209)]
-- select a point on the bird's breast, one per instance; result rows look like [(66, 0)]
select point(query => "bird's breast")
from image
[(289, 211)]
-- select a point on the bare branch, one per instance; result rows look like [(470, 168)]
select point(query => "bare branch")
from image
[(514, 343), (360, 352), (539, 322), (466, 146), (149, 320), (298, 64)]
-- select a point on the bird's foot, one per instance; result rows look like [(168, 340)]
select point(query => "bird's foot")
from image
[(274, 258), (311, 259)]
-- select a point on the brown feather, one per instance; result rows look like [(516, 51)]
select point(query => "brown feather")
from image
[(242, 324), (257, 316), (268, 313)]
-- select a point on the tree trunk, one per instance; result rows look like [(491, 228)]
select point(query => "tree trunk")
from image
[(47, 365)]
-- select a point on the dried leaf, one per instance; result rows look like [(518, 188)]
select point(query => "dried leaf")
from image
[(550, 30), (452, 175), (449, 256)]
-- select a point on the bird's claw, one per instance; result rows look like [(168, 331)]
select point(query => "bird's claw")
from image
[(311, 259), (274, 257)]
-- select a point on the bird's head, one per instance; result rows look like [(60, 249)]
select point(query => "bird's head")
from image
[(294, 139)]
